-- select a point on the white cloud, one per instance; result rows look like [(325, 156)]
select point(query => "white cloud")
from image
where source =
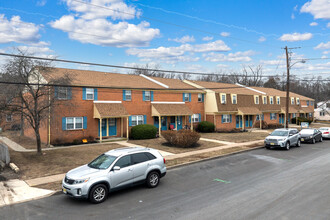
[(41, 3), (295, 8), (296, 37), (292, 16), (326, 52), (231, 57), (181, 53), (313, 24), (222, 66), (225, 34), (323, 46), (16, 30), (105, 32), (318, 8), (262, 39), (183, 39), (207, 38), (328, 25)]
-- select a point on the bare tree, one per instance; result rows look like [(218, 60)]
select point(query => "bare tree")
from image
[(249, 76), (28, 93), (150, 70)]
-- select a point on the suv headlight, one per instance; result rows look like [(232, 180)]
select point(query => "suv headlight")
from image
[(282, 139), (81, 181)]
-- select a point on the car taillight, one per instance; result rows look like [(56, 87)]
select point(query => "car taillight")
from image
[(326, 132), (164, 160)]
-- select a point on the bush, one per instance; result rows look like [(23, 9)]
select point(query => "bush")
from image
[(233, 130), (293, 120), (274, 126), (264, 125), (205, 126), (301, 119), (143, 132), (181, 138)]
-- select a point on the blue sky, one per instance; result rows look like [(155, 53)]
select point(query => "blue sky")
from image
[(189, 35)]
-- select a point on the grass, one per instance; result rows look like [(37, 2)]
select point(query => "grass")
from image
[(161, 144), (236, 137), (26, 142), (57, 161)]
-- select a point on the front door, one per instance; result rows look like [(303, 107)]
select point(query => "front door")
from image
[(179, 122), (112, 127), (172, 122), (281, 118), (156, 122), (104, 127), (248, 120), (164, 123), (238, 121)]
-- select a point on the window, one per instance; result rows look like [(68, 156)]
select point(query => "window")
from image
[(74, 123), (223, 98), (234, 99), (322, 113), (292, 101), (256, 98), (272, 116), (271, 100), (137, 120), (62, 92), (278, 100), (89, 94), (9, 118), (298, 101), (195, 118), (258, 117), (225, 118), (186, 97), (123, 162), (200, 97), (264, 99), (310, 115), (312, 103), (150, 156), (139, 158), (128, 95), (147, 96), (293, 115)]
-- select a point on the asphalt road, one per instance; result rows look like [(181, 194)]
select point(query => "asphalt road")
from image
[(259, 184)]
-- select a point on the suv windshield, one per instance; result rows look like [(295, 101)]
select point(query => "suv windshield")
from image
[(102, 162), (279, 133), (307, 131)]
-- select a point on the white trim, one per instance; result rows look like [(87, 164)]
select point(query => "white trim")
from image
[(155, 81), (167, 103), (106, 101), (250, 88), (304, 106)]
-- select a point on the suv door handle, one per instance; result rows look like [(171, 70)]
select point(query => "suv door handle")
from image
[(130, 170)]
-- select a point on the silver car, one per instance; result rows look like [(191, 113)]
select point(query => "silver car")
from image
[(113, 170), (283, 138), (325, 132)]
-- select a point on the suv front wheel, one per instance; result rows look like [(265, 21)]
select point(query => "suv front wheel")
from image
[(298, 143), (98, 193), (287, 145), (153, 179)]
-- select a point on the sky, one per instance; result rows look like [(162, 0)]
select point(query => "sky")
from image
[(218, 36)]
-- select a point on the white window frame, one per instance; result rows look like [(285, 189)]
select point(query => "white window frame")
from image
[(256, 100), (74, 123), (226, 118), (186, 97), (200, 97), (271, 100), (89, 91), (294, 115), (62, 90), (147, 95), (310, 114), (128, 95), (223, 98), (234, 97), (298, 101), (278, 100), (322, 113), (264, 100), (292, 101), (137, 120), (9, 118), (272, 116), (195, 118)]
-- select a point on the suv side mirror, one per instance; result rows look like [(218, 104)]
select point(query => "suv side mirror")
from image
[(290, 135), (116, 168)]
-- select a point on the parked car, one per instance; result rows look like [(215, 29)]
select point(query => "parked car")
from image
[(311, 135), (113, 170), (283, 138), (325, 132)]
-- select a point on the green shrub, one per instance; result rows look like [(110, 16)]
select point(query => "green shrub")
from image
[(293, 120), (182, 138), (143, 132), (205, 126), (301, 119)]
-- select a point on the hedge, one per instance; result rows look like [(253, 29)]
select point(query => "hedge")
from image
[(205, 126), (182, 138), (145, 131)]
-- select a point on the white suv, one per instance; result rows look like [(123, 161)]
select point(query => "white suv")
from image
[(283, 138), (113, 170)]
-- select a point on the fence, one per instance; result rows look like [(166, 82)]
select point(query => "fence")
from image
[(4, 153)]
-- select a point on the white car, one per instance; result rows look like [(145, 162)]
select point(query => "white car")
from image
[(325, 132)]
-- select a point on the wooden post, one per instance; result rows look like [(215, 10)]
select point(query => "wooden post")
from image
[(159, 126), (215, 125), (107, 126), (127, 128), (121, 127), (176, 123), (260, 119), (191, 122), (100, 130), (243, 123)]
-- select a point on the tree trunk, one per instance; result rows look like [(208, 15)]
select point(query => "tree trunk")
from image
[(38, 140)]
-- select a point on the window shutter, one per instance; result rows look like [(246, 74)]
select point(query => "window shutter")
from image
[(202, 97), (84, 93), (63, 123), (130, 121), (152, 96), (221, 118), (275, 115), (145, 119), (95, 94), (143, 95), (55, 92), (69, 93), (189, 97), (183, 97), (124, 95), (231, 118), (85, 122), (200, 117), (189, 118), (262, 116)]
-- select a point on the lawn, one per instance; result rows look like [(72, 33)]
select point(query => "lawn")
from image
[(56, 161), (26, 142), (236, 137), (161, 144)]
